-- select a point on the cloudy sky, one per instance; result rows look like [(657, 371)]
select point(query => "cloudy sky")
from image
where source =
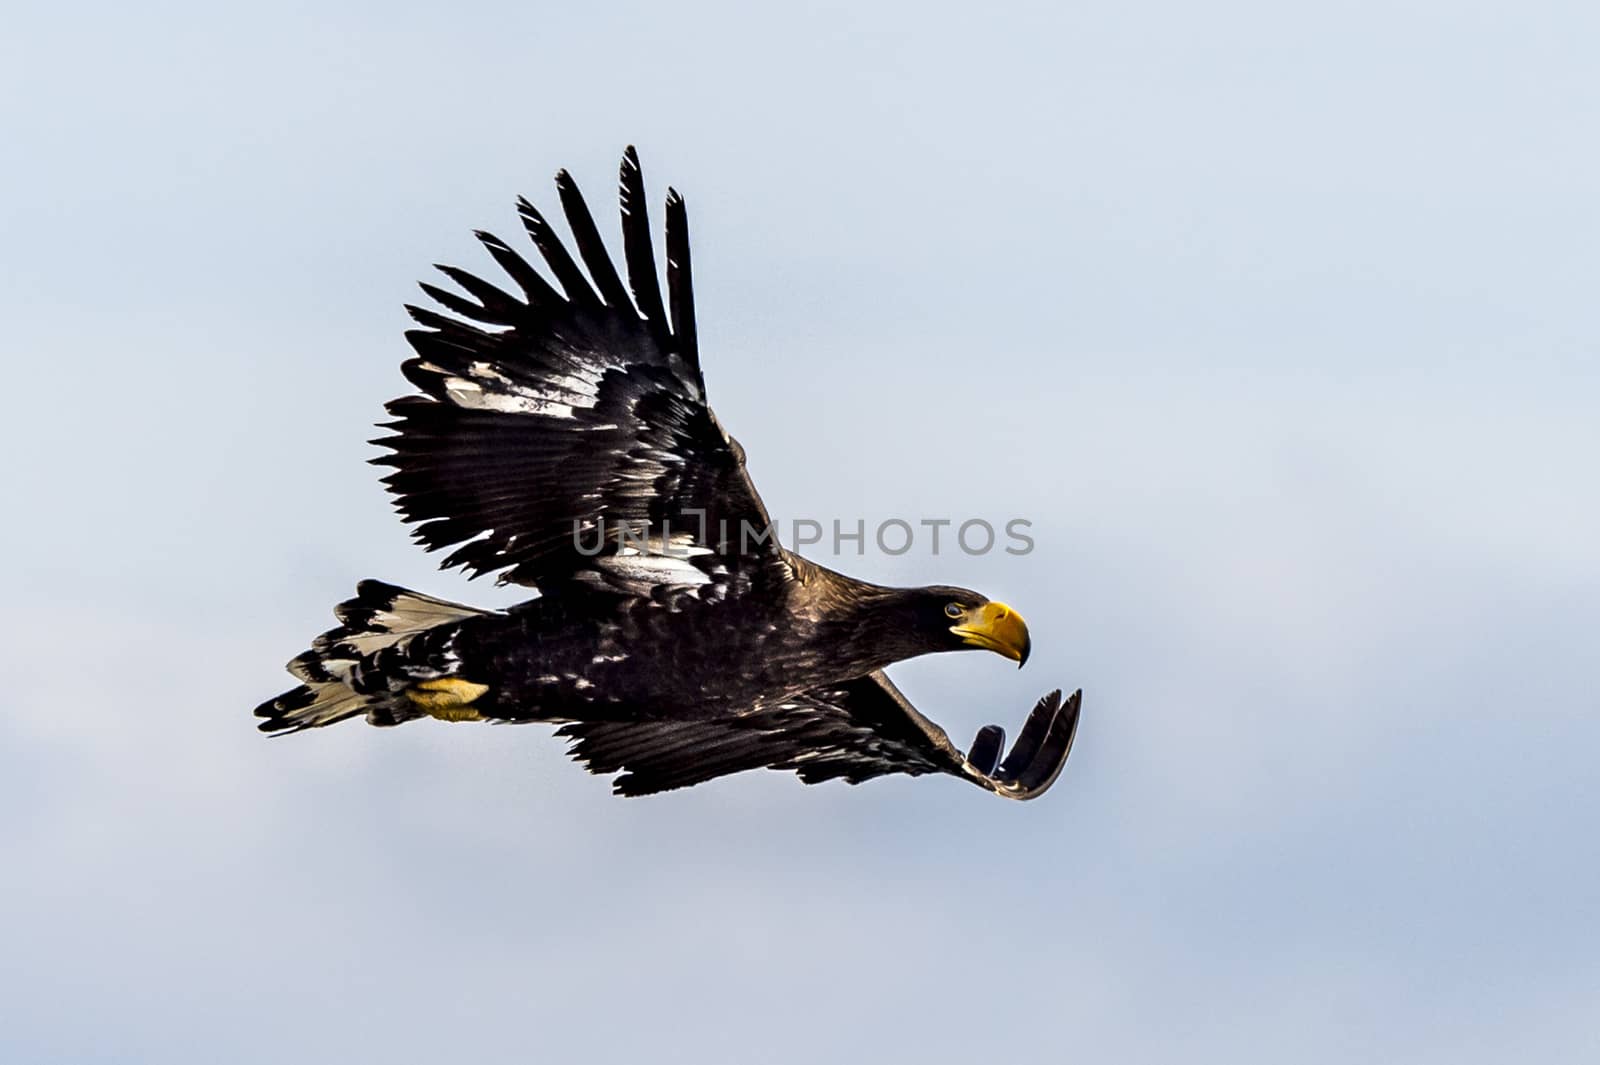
[(1277, 321)]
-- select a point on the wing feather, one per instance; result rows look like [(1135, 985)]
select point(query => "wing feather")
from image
[(590, 247), (535, 289), (680, 280), (499, 306), (855, 731), (577, 288), (544, 417), (639, 250)]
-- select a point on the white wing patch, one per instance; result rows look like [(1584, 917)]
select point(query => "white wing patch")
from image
[(558, 396), (642, 565), (640, 573)]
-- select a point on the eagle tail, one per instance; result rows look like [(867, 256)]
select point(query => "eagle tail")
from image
[(358, 669)]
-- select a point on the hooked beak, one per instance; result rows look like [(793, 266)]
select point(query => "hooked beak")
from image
[(996, 627)]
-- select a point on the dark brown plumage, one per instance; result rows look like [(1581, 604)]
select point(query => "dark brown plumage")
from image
[(562, 439)]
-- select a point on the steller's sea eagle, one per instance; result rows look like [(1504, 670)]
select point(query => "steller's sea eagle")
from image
[(562, 439)]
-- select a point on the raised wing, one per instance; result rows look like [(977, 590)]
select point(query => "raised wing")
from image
[(854, 731), (558, 427)]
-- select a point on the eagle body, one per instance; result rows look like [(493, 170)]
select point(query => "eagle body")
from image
[(561, 438), (559, 660)]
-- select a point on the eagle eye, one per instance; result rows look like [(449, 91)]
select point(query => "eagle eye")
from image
[(953, 610)]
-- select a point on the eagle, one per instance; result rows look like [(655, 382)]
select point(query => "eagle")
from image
[(560, 437)]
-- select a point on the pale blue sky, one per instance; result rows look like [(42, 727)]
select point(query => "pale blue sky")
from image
[(1278, 321)]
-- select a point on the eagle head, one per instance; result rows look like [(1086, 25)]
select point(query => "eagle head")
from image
[(951, 619)]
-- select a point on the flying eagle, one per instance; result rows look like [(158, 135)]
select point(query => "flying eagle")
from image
[(562, 439)]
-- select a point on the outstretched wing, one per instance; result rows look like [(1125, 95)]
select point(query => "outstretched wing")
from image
[(559, 427), (854, 731)]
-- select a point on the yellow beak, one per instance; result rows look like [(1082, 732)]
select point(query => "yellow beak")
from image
[(996, 627)]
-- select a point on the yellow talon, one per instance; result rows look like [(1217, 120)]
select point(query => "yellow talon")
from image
[(447, 698)]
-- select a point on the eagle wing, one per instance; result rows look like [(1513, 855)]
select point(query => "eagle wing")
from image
[(854, 731), (563, 433)]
